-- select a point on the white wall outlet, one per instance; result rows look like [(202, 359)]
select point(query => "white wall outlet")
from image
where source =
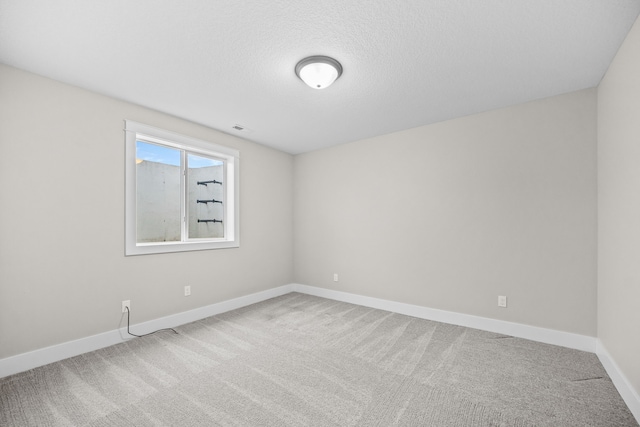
[(187, 291), (335, 277), (126, 304), (502, 301)]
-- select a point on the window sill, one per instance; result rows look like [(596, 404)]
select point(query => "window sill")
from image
[(169, 247)]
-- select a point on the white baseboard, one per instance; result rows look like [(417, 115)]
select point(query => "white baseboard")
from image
[(33, 359), (549, 336), (626, 390)]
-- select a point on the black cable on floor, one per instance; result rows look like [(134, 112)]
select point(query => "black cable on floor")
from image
[(144, 335)]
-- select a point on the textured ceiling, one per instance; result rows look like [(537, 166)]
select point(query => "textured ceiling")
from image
[(406, 63)]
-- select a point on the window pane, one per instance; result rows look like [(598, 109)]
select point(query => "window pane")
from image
[(158, 193), (205, 197)]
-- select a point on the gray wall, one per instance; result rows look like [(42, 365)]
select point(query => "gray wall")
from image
[(447, 216), (619, 208), (452, 215), (63, 272)]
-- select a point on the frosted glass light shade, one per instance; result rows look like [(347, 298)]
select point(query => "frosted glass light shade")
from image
[(318, 72)]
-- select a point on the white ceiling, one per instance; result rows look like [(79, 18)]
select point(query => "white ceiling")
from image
[(406, 63)]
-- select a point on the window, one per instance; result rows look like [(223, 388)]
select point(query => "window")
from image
[(181, 193)]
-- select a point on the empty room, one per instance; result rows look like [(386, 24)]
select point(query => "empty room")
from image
[(320, 213)]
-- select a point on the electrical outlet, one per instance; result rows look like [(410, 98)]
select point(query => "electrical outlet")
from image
[(502, 301), (126, 304), (187, 291), (335, 277)]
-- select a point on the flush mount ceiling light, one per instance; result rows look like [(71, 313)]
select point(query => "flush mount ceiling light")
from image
[(318, 71)]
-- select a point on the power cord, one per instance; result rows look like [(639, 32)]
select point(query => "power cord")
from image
[(144, 335)]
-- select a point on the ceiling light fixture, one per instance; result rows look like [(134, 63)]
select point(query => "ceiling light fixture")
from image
[(318, 72)]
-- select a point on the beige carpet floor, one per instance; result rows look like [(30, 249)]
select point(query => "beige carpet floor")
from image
[(299, 360)]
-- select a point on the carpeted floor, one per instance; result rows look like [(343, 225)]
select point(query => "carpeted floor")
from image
[(299, 360)]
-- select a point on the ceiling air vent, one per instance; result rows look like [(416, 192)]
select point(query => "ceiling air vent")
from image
[(241, 128)]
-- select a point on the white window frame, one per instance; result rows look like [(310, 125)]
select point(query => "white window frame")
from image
[(135, 131)]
